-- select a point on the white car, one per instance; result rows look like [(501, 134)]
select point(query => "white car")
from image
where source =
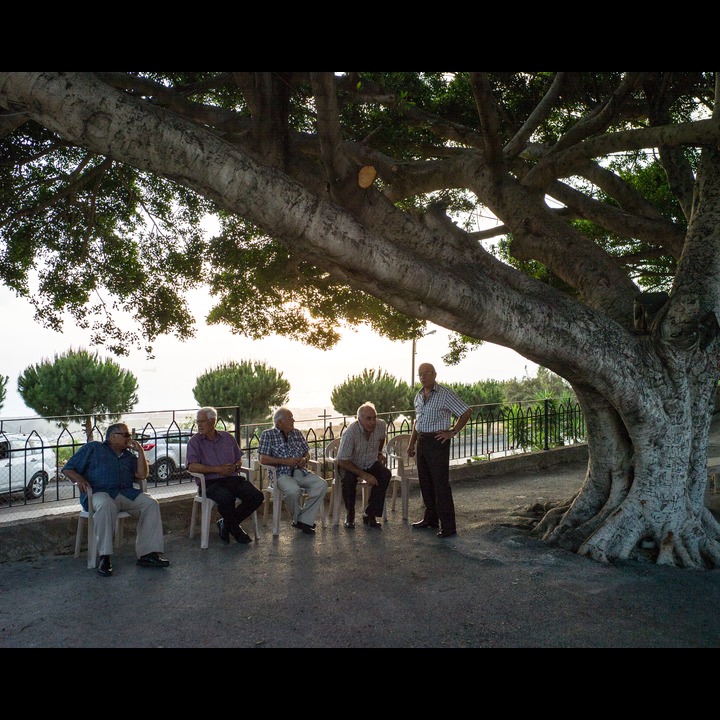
[(25, 465), (165, 450)]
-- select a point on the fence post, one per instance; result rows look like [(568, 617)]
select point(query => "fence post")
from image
[(546, 402), (237, 425)]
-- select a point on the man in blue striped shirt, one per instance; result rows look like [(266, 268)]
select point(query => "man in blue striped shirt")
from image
[(287, 449), (435, 405)]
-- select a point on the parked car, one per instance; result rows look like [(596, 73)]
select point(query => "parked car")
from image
[(165, 450), (25, 465)]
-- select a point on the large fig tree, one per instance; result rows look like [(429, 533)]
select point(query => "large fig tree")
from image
[(353, 198)]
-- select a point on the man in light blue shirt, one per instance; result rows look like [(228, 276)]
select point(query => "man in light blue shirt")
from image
[(110, 468)]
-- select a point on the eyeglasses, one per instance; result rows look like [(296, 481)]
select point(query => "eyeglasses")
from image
[(425, 374), (127, 435)]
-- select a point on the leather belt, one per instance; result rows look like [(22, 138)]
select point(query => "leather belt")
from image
[(429, 434)]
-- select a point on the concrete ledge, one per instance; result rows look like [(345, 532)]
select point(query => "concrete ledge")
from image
[(527, 462)]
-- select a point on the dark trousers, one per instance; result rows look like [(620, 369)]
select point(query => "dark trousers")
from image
[(224, 491), (376, 501), (433, 464)]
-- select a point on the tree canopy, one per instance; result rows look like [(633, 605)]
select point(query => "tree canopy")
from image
[(255, 387), (78, 382), (384, 391), (571, 216)]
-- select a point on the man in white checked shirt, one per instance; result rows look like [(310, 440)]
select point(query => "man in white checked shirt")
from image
[(435, 405), (360, 456)]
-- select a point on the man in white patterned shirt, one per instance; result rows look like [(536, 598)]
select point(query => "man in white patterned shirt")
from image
[(360, 457), (435, 405)]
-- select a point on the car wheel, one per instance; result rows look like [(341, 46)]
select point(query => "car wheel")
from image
[(36, 487), (164, 469)]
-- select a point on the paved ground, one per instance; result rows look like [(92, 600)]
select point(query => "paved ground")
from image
[(491, 586)]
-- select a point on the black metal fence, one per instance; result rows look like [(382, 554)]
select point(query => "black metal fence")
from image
[(32, 454)]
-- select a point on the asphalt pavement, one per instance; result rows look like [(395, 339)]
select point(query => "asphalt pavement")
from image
[(493, 585)]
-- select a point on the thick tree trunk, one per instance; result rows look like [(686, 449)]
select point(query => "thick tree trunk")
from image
[(643, 495)]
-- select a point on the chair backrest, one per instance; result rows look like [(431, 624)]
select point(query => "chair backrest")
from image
[(331, 451), (396, 450)]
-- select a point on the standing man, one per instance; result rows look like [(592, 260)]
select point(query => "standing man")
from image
[(216, 454), (110, 469), (287, 449), (360, 455), (434, 407)]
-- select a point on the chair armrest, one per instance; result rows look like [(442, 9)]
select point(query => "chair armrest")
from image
[(271, 474), (201, 478)]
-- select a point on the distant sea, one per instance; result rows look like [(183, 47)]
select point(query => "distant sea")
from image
[(305, 418)]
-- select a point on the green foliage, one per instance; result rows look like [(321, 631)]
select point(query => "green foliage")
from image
[(485, 392), (544, 424), (107, 241), (386, 392), (527, 401), (254, 387), (529, 389), (76, 383), (298, 299), (458, 348), (3, 389)]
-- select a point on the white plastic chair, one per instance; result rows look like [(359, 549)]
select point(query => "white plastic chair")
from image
[(89, 515), (206, 507), (401, 466), (331, 451), (274, 494)]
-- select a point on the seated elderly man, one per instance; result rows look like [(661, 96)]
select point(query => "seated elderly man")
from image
[(287, 449), (216, 454), (110, 469), (360, 456)]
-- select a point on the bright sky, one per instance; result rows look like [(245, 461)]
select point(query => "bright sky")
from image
[(166, 382)]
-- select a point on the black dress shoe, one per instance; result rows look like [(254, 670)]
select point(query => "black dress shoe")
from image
[(423, 524), (224, 534), (307, 529), (152, 559), (105, 566), (242, 537), (371, 521), (447, 533), (349, 522)]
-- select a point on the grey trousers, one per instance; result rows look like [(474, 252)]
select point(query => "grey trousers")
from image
[(292, 491), (147, 511)]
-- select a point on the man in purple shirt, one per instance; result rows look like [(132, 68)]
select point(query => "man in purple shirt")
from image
[(216, 454)]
